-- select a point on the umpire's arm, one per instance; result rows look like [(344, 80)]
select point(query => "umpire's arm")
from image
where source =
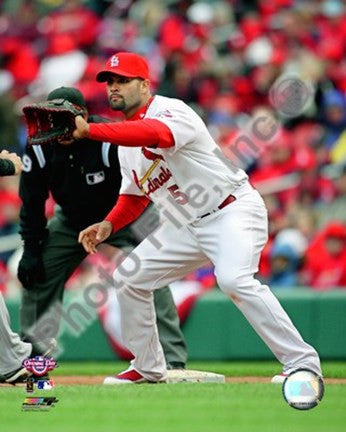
[(33, 191)]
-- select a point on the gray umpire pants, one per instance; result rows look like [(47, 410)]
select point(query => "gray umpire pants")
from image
[(61, 256), (12, 350)]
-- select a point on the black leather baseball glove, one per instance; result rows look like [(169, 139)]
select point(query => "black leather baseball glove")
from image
[(51, 120)]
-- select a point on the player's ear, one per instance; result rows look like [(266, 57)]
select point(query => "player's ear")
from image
[(145, 85)]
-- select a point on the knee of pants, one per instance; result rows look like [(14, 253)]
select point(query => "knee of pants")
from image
[(129, 279), (234, 282), (138, 273)]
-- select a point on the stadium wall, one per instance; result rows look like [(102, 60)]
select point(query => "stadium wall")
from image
[(216, 330)]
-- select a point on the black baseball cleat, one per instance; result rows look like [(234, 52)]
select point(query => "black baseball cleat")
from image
[(21, 374), (17, 376)]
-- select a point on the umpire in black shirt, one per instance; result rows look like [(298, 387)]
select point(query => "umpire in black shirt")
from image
[(84, 179)]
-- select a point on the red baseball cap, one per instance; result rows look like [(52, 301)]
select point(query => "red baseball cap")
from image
[(126, 64)]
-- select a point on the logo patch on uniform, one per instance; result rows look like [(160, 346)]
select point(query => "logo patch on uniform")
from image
[(164, 113), (114, 61), (27, 163), (95, 178)]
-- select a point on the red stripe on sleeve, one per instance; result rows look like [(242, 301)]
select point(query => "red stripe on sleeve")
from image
[(127, 209), (136, 133)]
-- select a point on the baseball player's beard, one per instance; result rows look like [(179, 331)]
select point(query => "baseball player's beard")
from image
[(117, 105)]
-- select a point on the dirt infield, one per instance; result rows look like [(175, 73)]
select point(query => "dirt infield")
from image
[(67, 380), (98, 379)]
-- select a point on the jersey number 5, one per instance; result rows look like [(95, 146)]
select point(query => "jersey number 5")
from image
[(180, 197)]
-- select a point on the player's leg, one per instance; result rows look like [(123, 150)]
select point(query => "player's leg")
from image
[(42, 303), (240, 232), (13, 351), (167, 255), (171, 336)]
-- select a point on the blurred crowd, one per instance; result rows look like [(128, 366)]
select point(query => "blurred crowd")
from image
[(268, 78)]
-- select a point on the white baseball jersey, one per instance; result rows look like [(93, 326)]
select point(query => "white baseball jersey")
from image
[(190, 179)]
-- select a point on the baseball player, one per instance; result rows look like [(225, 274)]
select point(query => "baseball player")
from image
[(208, 209), (84, 179), (12, 350)]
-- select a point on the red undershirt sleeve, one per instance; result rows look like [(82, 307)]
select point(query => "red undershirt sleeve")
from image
[(136, 133), (127, 209)]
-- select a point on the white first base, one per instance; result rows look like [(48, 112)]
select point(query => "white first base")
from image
[(193, 376)]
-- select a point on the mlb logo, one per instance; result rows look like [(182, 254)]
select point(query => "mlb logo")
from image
[(45, 384), (114, 61), (95, 178)]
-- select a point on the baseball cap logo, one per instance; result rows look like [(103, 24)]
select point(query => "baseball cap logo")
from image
[(125, 64), (114, 61)]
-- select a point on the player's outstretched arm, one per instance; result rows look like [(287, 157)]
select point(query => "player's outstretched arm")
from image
[(137, 133), (94, 234)]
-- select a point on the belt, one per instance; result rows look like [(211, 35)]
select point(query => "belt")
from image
[(224, 203)]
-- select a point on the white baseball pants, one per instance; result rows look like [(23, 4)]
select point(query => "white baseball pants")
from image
[(12, 350), (232, 239)]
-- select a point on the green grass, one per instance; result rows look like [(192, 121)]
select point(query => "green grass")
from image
[(176, 407)]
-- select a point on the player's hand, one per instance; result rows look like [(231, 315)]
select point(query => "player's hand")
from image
[(93, 235), (82, 128), (14, 158)]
